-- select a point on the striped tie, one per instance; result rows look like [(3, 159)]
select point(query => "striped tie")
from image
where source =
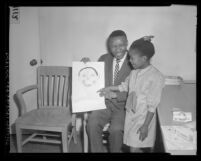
[(116, 71)]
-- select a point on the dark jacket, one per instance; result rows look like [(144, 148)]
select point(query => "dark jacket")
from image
[(125, 70)]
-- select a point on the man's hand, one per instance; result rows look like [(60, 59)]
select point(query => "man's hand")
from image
[(143, 130), (85, 59), (148, 38)]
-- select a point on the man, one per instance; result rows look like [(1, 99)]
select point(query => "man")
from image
[(117, 68)]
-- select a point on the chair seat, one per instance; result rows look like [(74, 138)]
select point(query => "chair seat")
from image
[(58, 117)]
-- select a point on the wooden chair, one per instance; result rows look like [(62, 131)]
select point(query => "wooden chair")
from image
[(52, 118)]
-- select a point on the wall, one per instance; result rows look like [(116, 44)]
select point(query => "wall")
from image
[(23, 47), (69, 33), (65, 34)]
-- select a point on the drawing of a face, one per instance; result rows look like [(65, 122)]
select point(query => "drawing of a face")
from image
[(88, 76)]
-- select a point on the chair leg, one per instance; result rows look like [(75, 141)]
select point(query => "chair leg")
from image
[(64, 141), (19, 139), (85, 137)]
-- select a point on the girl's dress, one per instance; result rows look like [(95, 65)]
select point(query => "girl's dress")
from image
[(145, 88)]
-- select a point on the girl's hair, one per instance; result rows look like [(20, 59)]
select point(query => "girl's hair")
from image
[(145, 47)]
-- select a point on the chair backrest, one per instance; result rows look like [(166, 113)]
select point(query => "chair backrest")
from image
[(54, 89)]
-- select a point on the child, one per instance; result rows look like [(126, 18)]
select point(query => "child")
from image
[(144, 84)]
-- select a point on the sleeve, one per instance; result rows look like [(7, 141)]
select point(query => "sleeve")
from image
[(122, 96), (154, 93), (101, 58), (123, 87)]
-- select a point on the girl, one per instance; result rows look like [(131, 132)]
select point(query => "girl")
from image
[(144, 86)]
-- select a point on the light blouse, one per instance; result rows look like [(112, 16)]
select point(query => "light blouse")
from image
[(144, 87)]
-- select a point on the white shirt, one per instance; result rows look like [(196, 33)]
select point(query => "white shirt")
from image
[(120, 63)]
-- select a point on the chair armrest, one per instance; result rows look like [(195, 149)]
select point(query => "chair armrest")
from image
[(19, 96)]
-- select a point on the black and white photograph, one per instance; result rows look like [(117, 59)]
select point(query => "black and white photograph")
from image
[(148, 91)]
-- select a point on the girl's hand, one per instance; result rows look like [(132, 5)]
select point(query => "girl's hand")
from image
[(104, 90), (107, 93), (143, 130)]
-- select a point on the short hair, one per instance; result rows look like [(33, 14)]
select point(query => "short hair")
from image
[(117, 33), (145, 47)]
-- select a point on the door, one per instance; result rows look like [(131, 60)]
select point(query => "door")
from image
[(24, 57)]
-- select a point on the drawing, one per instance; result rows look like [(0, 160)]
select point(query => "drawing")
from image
[(87, 79), (179, 138), (88, 76)]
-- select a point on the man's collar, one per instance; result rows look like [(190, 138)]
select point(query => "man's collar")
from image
[(122, 59)]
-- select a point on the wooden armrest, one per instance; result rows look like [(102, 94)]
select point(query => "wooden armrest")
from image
[(19, 96)]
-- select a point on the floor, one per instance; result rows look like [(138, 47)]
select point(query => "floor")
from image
[(74, 148), (32, 147)]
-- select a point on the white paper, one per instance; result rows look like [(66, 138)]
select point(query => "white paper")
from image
[(191, 125), (173, 80), (179, 138), (181, 116), (87, 79)]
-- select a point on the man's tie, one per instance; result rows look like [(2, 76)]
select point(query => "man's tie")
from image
[(116, 71)]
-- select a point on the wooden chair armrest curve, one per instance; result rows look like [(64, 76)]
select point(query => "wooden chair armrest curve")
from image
[(20, 99)]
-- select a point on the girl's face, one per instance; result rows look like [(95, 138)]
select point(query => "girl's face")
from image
[(136, 59)]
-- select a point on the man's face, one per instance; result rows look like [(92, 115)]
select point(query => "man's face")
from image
[(118, 46)]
